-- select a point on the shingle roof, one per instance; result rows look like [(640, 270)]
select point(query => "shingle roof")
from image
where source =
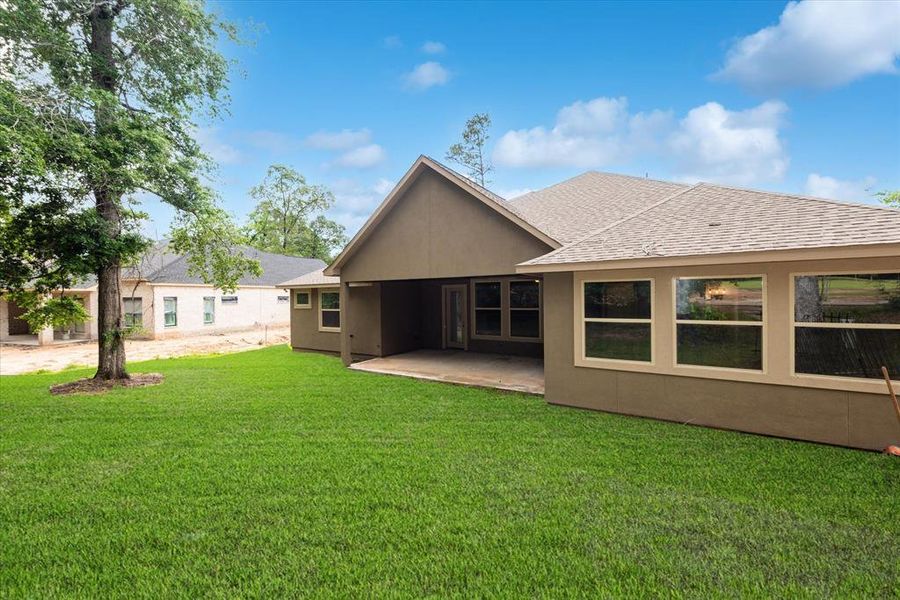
[(162, 266), (568, 210), (312, 279), (710, 219)]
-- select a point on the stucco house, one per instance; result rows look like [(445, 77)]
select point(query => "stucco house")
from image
[(161, 299), (702, 304)]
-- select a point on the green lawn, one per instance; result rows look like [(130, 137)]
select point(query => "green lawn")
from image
[(272, 473)]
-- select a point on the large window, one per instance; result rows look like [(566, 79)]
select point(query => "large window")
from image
[(488, 309), (134, 312), (209, 310), (170, 311), (525, 308), (329, 311), (617, 318), (719, 322), (847, 325)]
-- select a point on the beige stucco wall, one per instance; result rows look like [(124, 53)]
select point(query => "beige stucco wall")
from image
[(846, 412), (256, 307), (438, 230), (305, 334)]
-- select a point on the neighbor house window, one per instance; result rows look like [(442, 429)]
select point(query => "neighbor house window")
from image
[(209, 310), (301, 299), (719, 322), (525, 308), (229, 299), (283, 299), (134, 312), (488, 309), (847, 325), (170, 311), (617, 320), (330, 311)]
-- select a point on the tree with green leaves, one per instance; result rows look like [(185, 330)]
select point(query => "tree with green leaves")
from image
[(890, 198), (470, 152), (100, 100), (289, 219)]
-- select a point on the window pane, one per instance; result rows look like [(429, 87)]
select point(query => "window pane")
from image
[(229, 299), (719, 299), (734, 346), (487, 294), (331, 318), (525, 323), (524, 294), (622, 341), (487, 322), (331, 300), (209, 310), (846, 352), (847, 298), (303, 298), (617, 300)]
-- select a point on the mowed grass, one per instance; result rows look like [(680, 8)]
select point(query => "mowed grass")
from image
[(272, 473)]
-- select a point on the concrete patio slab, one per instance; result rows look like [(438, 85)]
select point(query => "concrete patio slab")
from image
[(515, 373)]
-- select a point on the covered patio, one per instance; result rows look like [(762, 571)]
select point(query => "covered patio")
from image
[(500, 371)]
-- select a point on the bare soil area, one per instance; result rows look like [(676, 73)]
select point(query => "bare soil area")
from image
[(97, 386), (15, 360)]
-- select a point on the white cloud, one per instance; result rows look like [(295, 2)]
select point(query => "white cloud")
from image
[(426, 75), (713, 143), (383, 186), (272, 141), (392, 41), (363, 157), (837, 189), (338, 140), (217, 149), (433, 48), (818, 45), (710, 143), (513, 193), (354, 201)]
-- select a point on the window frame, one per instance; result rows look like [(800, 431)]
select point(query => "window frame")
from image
[(792, 349), (140, 314), (761, 323), (581, 323), (230, 299), (213, 321), (339, 309), (308, 293), (175, 312), (505, 309), (539, 309), (473, 334)]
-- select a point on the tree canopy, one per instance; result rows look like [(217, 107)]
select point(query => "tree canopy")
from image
[(470, 152)]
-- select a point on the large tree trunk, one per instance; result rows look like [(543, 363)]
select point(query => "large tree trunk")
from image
[(111, 359)]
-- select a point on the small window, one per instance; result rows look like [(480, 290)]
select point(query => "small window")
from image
[(301, 299), (617, 320), (133, 312), (283, 299), (330, 311), (209, 310), (719, 322), (488, 309), (525, 308), (170, 311), (847, 325), (229, 299)]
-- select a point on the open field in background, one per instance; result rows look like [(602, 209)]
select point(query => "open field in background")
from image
[(273, 473)]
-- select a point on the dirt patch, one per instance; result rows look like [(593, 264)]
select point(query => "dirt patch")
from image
[(98, 386)]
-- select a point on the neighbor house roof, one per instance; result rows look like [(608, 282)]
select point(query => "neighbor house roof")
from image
[(160, 266), (313, 279), (708, 219)]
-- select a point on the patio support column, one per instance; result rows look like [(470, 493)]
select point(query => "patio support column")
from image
[(45, 336), (346, 348)]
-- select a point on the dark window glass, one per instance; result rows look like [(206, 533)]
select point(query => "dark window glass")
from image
[(331, 318), (229, 299), (133, 309), (719, 299), (847, 298), (734, 346), (302, 298), (621, 341), (331, 300), (487, 294), (525, 323), (524, 294), (846, 352), (487, 322), (617, 300)]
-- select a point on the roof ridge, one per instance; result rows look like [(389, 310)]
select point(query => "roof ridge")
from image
[(595, 232), (799, 196), (601, 173)]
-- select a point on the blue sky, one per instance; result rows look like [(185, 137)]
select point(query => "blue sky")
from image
[(801, 98)]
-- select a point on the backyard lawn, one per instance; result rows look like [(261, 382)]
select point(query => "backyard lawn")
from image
[(271, 473)]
